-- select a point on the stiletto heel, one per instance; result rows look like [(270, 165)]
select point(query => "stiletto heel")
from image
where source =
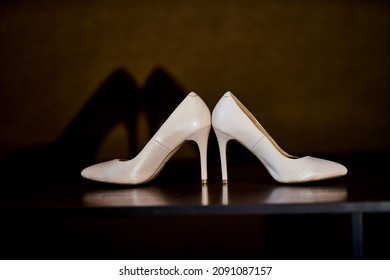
[(231, 120), (201, 138), (222, 143), (191, 120)]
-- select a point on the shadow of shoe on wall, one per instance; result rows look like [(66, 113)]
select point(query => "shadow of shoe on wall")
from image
[(160, 95), (117, 100)]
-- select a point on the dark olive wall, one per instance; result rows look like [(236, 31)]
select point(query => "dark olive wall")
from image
[(315, 73)]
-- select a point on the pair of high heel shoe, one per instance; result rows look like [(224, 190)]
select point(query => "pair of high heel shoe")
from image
[(192, 120)]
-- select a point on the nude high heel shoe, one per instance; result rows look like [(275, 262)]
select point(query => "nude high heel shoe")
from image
[(231, 120), (191, 120)]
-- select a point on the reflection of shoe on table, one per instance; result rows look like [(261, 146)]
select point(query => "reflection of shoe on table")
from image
[(232, 121)]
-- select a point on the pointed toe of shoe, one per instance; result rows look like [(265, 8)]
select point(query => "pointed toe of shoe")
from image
[(114, 172), (326, 169), (89, 173), (98, 172), (339, 169)]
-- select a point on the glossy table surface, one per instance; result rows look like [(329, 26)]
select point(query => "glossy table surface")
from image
[(251, 190), (66, 216)]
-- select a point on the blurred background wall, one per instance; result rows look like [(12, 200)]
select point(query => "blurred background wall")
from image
[(315, 73)]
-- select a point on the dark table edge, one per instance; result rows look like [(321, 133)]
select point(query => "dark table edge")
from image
[(200, 210)]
